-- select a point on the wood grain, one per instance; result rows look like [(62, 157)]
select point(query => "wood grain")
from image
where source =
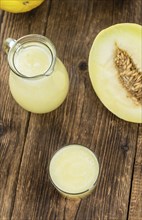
[(27, 141), (14, 120), (135, 210)]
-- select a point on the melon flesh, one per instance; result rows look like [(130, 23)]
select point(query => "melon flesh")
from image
[(104, 74)]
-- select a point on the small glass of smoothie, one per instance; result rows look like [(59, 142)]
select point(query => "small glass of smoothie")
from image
[(73, 171), (38, 80)]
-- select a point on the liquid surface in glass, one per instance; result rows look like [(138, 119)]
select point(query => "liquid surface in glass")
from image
[(74, 169)]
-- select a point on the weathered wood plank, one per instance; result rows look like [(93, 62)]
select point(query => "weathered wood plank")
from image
[(135, 210), (13, 123), (13, 119), (130, 11)]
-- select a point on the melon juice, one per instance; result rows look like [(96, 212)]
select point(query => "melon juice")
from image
[(38, 79), (74, 171)]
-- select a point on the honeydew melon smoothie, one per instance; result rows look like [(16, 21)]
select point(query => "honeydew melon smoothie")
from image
[(38, 79), (74, 171)]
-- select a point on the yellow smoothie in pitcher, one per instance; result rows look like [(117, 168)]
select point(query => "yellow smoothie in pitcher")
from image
[(38, 94), (33, 60), (74, 170)]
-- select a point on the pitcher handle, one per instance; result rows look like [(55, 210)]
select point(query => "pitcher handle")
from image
[(8, 44)]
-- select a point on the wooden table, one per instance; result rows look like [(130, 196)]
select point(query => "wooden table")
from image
[(28, 140)]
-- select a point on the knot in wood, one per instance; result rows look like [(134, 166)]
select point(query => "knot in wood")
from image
[(125, 147), (83, 66), (1, 128)]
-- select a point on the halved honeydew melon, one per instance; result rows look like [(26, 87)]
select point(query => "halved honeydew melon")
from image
[(108, 78)]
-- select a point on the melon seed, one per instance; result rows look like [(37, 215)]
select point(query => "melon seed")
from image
[(129, 75)]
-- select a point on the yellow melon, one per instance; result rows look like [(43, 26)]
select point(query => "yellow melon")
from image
[(115, 70), (19, 6)]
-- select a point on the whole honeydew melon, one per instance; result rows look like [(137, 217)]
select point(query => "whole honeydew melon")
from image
[(19, 6), (115, 70)]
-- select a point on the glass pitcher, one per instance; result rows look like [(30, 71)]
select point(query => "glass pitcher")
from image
[(38, 80)]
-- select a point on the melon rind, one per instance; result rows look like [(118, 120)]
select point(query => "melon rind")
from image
[(19, 6), (104, 75)]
